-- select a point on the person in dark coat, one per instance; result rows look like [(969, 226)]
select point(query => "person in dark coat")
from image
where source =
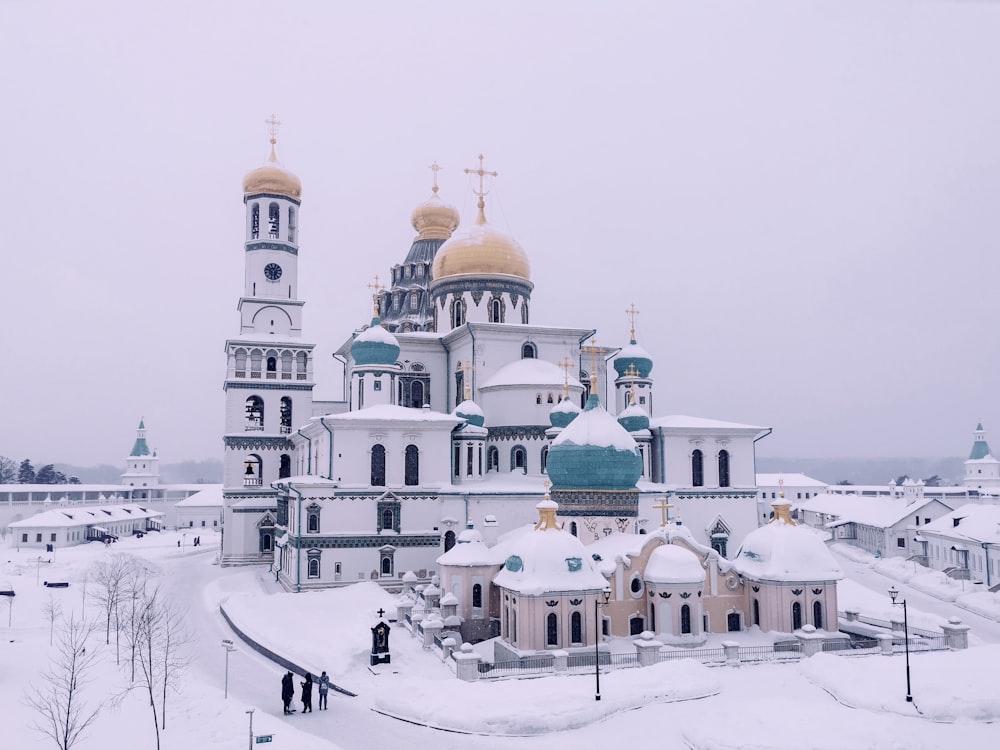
[(307, 694), (324, 688), (287, 691)]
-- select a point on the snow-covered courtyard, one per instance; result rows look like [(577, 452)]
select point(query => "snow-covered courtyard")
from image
[(826, 701)]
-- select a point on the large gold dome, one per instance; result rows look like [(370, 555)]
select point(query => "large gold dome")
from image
[(481, 251), (434, 219), (272, 178)]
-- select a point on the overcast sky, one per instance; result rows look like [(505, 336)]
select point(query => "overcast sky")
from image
[(800, 197)]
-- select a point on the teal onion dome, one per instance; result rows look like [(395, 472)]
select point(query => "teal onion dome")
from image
[(375, 346), (469, 411), (594, 452), (563, 413), (635, 356), (634, 418)]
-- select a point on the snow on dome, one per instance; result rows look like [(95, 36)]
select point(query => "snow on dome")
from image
[(548, 561), (634, 418), (375, 346), (633, 355), (471, 553), (594, 452), (671, 563), (563, 413), (469, 535), (534, 372), (785, 552), (471, 412)]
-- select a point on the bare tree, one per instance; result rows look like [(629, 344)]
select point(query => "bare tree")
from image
[(63, 715), (109, 577), (174, 641), (52, 609), (150, 666)]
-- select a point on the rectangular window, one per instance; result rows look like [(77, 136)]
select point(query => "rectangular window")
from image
[(900, 542), (24, 537), (38, 537), (927, 521), (52, 537), (378, 385)]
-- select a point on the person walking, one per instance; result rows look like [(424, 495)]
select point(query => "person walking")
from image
[(324, 688), (307, 694), (287, 692)]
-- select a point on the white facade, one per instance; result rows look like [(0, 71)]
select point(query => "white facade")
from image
[(966, 542), (67, 527)]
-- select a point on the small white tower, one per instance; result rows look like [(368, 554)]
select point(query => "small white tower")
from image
[(633, 365), (982, 470), (142, 467)]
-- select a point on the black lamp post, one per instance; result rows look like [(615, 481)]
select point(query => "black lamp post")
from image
[(893, 593), (597, 638)]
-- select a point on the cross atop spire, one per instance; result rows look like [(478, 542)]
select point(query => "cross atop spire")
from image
[(273, 123), (435, 169), (375, 289), (664, 508), (481, 192), (592, 349), (632, 313), (565, 363), (468, 370)]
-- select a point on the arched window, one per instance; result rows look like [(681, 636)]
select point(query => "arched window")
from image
[(549, 399), (457, 313), (685, 619), (273, 221), (513, 626), (576, 628), (496, 311), (387, 565), (286, 365), (255, 221), (284, 466), (300, 366), (314, 522), (291, 224), (266, 542), (241, 363), (285, 411), (528, 351), (449, 540), (378, 466), (552, 629), (524, 312), (572, 528), (412, 466), (723, 468), (254, 412), (314, 567), (545, 458), (477, 595), (416, 393), (414, 301), (253, 471), (538, 398), (518, 459), (492, 458), (387, 519), (796, 616), (697, 469), (818, 615), (756, 612), (272, 368)]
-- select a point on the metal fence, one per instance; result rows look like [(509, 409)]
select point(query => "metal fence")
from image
[(853, 647), (515, 668), (789, 651), (702, 655)]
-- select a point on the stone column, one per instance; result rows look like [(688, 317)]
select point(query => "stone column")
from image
[(812, 642), (447, 646), (648, 648), (559, 657), (449, 605), (432, 626), (956, 634), (885, 641), (467, 663), (732, 649), (403, 610), (851, 615)]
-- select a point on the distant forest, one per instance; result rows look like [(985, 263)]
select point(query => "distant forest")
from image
[(25, 472), (941, 471)]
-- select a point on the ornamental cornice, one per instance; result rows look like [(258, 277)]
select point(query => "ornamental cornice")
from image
[(495, 285), (256, 385), (288, 198), (279, 246), (257, 443), (522, 432), (363, 541)]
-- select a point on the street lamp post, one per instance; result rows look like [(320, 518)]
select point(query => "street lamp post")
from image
[(228, 645), (250, 745), (598, 604), (893, 593)]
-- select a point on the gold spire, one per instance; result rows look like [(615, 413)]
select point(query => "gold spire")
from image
[(481, 219), (782, 507), (375, 289), (468, 370), (632, 312), (273, 123), (565, 364), (272, 177), (592, 350), (547, 512), (664, 508)]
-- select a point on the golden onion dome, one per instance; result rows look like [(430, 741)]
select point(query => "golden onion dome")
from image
[(272, 178), (481, 251), (434, 219)]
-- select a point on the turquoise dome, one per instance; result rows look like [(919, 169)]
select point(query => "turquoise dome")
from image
[(563, 413), (594, 452), (375, 346), (635, 356), (469, 411), (634, 418)]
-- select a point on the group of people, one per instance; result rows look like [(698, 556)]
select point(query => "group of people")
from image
[(288, 692)]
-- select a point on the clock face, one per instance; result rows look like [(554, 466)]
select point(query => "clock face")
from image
[(272, 272)]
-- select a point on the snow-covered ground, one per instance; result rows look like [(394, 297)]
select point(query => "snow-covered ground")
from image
[(825, 702)]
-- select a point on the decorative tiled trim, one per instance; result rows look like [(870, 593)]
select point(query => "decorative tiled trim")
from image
[(279, 246), (254, 196), (364, 541), (470, 284), (526, 432), (256, 385), (257, 443)]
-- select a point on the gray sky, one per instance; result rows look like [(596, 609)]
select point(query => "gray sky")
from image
[(801, 199)]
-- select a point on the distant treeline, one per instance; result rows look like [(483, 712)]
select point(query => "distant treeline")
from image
[(934, 471), (184, 472)]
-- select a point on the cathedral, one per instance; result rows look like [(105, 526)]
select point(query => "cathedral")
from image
[(458, 408)]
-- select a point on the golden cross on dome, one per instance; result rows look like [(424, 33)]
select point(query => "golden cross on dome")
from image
[(273, 123), (375, 288), (631, 371), (546, 484), (592, 350), (481, 192), (468, 370), (565, 364), (435, 169), (632, 312), (664, 508)]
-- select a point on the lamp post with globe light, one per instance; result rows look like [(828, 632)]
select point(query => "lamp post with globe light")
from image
[(598, 604), (228, 645), (893, 593)]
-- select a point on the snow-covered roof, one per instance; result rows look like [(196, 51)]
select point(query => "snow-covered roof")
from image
[(549, 560), (376, 333), (785, 552), (881, 511), (391, 413), (671, 563), (976, 523), (209, 497), (537, 373), (594, 426), (790, 480), (85, 515), (684, 422)]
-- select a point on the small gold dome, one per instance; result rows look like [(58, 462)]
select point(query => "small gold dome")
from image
[(434, 219), (272, 178), (481, 251)]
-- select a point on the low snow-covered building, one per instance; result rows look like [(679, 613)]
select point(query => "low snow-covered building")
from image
[(795, 487), (65, 527), (202, 510), (965, 542)]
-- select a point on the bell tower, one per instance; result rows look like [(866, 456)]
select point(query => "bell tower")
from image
[(269, 373)]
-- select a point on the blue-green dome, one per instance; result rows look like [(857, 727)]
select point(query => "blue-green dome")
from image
[(469, 411), (563, 413), (375, 346), (634, 418), (635, 356), (594, 452)]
